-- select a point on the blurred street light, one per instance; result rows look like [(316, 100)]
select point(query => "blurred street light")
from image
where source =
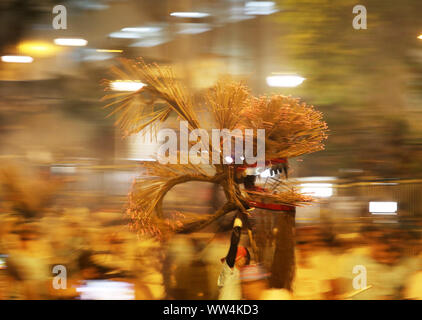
[(125, 35), (379, 207), (141, 29), (71, 42), (110, 50), (136, 32), (260, 8), (126, 85), (17, 59), (37, 48), (284, 81), (196, 15)]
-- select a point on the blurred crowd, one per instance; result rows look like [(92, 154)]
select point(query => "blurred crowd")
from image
[(91, 246), (377, 262), (103, 259)]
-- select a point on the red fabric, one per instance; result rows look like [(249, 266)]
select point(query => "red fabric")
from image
[(257, 189), (279, 160), (240, 253)]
